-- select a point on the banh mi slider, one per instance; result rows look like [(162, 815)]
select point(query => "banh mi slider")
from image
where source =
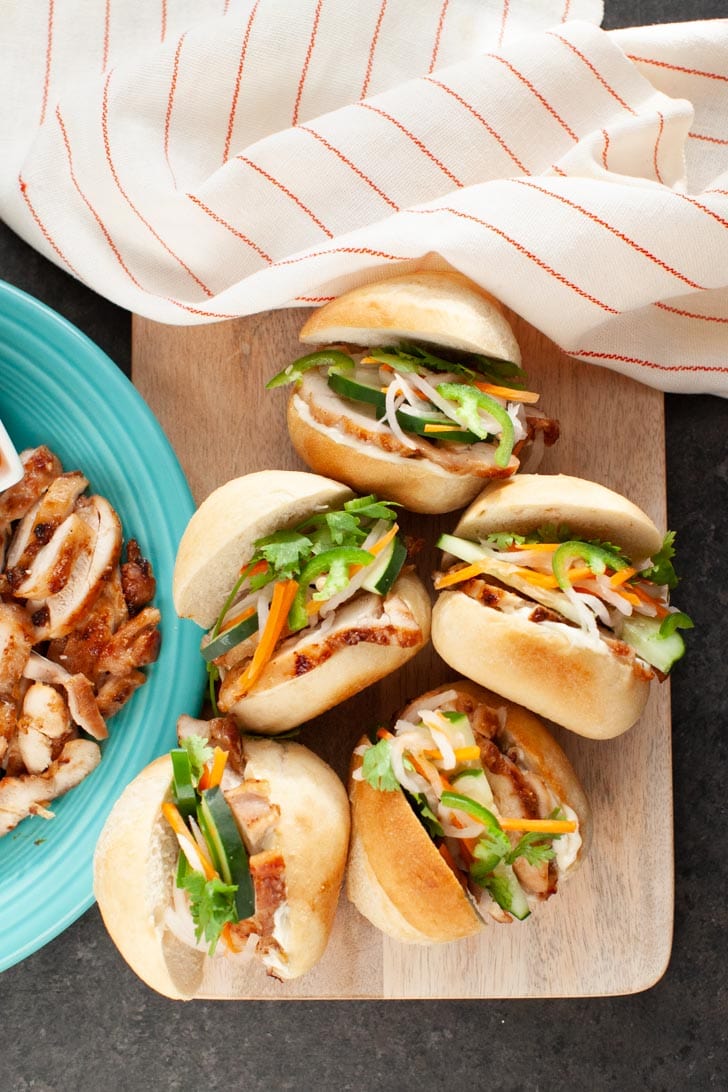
[(227, 852), (305, 592), (466, 811), (418, 395), (562, 587)]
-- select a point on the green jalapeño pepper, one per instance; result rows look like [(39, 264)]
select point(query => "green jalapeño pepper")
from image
[(324, 358), (183, 789), (494, 844), (598, 558), (335, 563), (471, 401)]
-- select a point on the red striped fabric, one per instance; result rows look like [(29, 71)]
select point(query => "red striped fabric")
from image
[(201, 159)]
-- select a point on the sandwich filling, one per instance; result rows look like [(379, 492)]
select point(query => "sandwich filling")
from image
[(326, 583), (466, 412), (230, 883), (592, 588), (494, 820)]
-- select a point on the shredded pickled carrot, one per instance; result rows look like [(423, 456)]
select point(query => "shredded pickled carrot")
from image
[(544, 826), (172, 815), (621, 576), (456, 575), (462, 754), (283, 595), (507, 392), (212, 775)]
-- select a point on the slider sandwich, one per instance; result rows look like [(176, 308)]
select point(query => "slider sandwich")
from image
[(418, 394), (554, 592)]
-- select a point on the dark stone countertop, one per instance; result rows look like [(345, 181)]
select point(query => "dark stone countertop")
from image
[(73, 1016)]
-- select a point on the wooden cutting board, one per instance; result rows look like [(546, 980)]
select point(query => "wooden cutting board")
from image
[(609, 930)]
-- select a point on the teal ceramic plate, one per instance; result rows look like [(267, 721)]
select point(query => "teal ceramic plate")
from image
[(58, 388)]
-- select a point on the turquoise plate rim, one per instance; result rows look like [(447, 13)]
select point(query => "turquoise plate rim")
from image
[(57, 386)]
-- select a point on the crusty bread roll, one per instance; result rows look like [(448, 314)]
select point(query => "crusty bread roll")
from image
[(136, 857), (284, 698), (397, 878), (334, 436), (441, 308), (310, 671), (595, 689), (218, 540), (592, 511)]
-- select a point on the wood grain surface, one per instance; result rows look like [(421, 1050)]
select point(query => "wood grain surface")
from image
[(609, 930)]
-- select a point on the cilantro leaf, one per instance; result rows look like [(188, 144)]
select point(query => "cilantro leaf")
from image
[(285, 552), (535, 847), (212, 904), (502, 540), (344, 529), (490, 849), (377, 767), (371, 508), (662, 571), (551, 532), (200, 754)]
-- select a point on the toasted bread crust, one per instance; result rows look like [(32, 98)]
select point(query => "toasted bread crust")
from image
[(440, 308), (220, 536), (397, 873), (526, 502)]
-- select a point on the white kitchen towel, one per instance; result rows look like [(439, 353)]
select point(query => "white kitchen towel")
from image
[(194, 160)]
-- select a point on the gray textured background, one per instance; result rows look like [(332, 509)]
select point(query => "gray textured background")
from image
[(73, 1017)]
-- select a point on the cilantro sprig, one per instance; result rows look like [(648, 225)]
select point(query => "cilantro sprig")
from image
[(212, 905)]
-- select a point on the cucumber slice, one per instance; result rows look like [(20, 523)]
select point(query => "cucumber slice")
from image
[(230, 638), (410, 422), (461, 548), (386, 568), (643, 635), (508, 893), (357, 392), (222, 835)]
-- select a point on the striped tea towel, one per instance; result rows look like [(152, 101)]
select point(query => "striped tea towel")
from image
[(194, 160)]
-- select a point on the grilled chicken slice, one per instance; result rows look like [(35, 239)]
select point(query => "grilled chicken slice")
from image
[(254, 814), (116, 690), (29, 794), (37, 527), (79, 650), (44, 726), (137, 578), (79, 693), (41, 466), (62, 612), (514, 795), (52, 565), (16, 642)]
